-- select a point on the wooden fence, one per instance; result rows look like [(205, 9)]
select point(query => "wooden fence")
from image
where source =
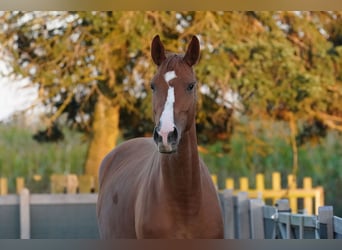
[(246, 218), (311, 198), (70, 216), (59, 183), (48, 216)]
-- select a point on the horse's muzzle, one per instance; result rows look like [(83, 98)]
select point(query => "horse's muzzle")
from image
[(166, 142)]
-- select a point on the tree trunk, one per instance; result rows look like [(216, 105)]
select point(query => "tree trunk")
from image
[(293, 129), (104, 134)]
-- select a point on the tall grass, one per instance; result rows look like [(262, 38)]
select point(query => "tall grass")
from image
[(322, 162), (21, 156)]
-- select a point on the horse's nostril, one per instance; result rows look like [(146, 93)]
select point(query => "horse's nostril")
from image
[(156, 136), (172, 136)]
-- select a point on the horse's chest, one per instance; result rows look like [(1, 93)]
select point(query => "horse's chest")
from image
[(165, 226), (159, 220)]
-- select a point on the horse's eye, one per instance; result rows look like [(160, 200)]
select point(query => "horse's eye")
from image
[(190, 86), (153, 86)]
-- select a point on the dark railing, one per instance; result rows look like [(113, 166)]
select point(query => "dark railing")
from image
[(72, 216)]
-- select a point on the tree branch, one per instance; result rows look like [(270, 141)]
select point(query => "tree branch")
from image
[(60, 110), (332, 121)]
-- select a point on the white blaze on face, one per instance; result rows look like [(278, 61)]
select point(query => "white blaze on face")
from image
[(166, 118)]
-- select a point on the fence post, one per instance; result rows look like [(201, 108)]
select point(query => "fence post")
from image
[(3, 186), (307, 185), (276, 184), (229, 183), (243, 230), (260, 182), (71, 183), (228, 213), (257, 218), (20, 184), (86, 184), (57, 184), (319, 198), (292, 185), (325, 218), (244, 184), (25, 214), (282, 206)]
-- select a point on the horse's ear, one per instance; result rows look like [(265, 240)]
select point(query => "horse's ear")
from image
[(193, 52), (157, 51)]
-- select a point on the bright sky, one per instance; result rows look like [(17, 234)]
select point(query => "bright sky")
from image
[(14, 96)]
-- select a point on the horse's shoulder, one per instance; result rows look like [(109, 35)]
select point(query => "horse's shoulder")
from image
[(203, 166), (205, 174), (130, 150)]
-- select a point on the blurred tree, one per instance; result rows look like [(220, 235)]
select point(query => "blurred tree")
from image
[(283, 65), (83, 63), (255, 66)]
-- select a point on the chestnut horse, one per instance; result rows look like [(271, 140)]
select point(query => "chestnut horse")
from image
[(159, 187)]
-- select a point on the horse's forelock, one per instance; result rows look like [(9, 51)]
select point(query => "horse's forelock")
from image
[(172, 62)]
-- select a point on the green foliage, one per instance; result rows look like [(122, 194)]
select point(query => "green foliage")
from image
[(321, 161), (274, 154), (283, 66), (277, 62), (20, 156)]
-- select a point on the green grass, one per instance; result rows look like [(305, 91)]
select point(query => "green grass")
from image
[(21, 156), (322, 162)]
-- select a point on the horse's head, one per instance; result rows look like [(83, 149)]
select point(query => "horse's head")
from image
[(174, 94)]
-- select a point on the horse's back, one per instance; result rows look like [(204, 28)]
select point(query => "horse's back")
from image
[(119, 176)]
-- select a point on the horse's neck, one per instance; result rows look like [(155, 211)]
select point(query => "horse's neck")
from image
[(181, 170)]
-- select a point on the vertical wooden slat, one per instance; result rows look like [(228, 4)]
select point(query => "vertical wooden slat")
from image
[(283, 205), (72, 184), (307, 185), (292, 185), (228, 213), (3, 186), (86, 184), (20, 184), (319, 198), (57, 184), (288, 227), (260, 182), (260, 185), (229, 183), (276, 184), (25, 214), (257, 218), (301, 227), (243, 231), (244, 185), (270, 217), (325, 218)]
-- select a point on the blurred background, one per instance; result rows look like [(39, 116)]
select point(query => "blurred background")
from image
[(75, 84)]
